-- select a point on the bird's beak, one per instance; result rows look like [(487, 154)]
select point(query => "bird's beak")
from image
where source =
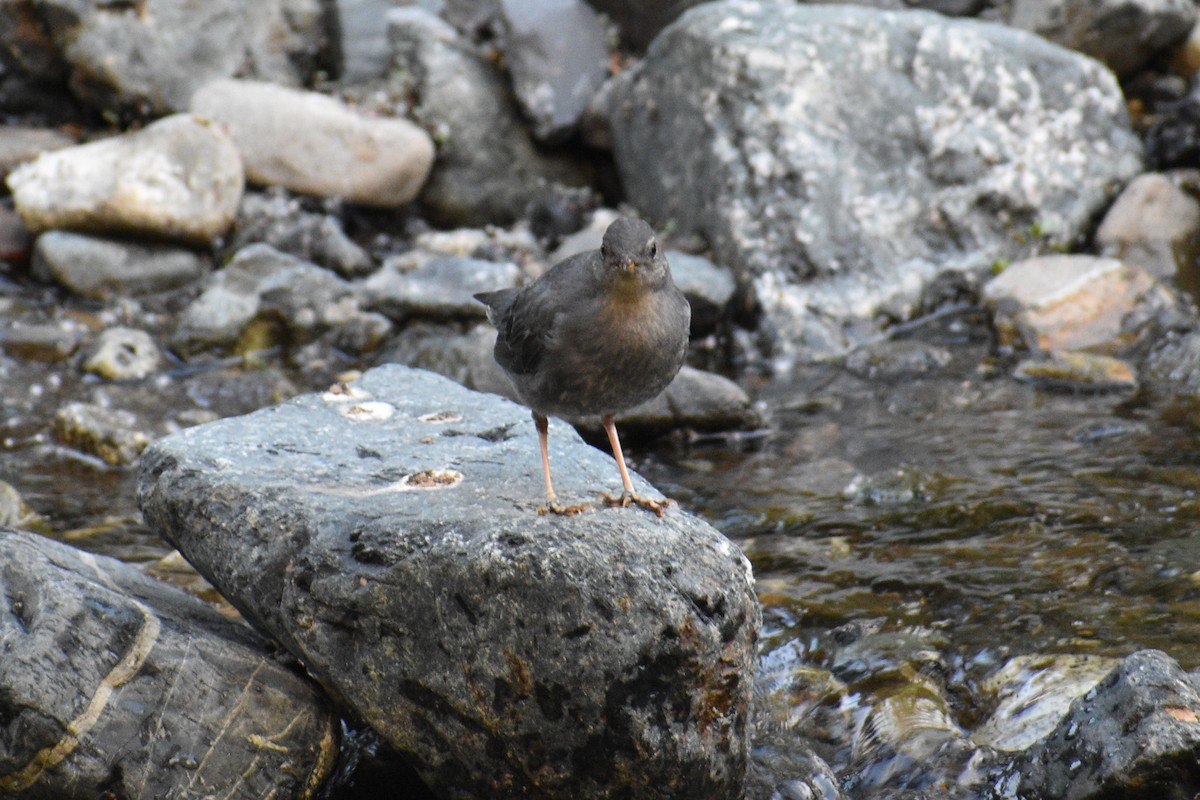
[(630, 266)]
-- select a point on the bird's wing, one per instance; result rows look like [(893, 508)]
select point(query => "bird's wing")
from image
[(527, 320)]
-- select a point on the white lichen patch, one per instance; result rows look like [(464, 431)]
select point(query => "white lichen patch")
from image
[(345, 393), (370, 411)]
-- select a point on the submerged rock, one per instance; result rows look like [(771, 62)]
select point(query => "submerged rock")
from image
[(758, 126), (385, 532), (1135, 734), (115, 685), (109, 434), (179, 178)]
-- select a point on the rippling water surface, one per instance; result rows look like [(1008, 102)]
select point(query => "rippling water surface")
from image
[(947, 509)]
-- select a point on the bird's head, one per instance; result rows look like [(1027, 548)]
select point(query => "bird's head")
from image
[(631, 254)]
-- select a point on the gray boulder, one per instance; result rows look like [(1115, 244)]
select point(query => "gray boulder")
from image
[(1134, 735), (385, 533), (639, 21), (1124, 34), (839, 158), (487, 168), (150, 58), (115, 685), (556, 53)]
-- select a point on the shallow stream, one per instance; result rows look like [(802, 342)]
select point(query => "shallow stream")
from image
[(923, 514)]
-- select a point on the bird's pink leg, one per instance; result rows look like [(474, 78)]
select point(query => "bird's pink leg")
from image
[(552, 506), (628, 496)]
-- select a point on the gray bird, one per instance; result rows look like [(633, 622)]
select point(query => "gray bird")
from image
[(598, 333)]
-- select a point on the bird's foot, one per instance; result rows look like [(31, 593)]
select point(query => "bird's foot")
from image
[(554, 507), (626, 499)]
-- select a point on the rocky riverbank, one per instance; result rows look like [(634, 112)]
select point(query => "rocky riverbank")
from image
[(243, 209)]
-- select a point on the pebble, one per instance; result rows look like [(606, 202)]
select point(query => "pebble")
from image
[(179, 179), (106, 433), (314, 144), (100, 268), (124, 354), (1075, 369), (48, 341)]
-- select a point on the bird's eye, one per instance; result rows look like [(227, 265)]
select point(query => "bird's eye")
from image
[(653, 248), (604, 251)]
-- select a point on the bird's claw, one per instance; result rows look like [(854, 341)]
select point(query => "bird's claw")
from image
[(626, 499), (554, 507)]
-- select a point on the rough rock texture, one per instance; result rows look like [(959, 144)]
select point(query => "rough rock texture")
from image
[(557, 58), (487, 169), (1124, 34), (115, 685), (151, 56), (179, 178), (386, 534), (277, 218), (123, 354), (639, 21), (838, 158), (313, 143), (1076, 302), (302, 297), (443, 287), (100, 268), (1135, 735)]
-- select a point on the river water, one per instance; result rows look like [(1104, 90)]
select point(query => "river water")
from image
[(927, 498)]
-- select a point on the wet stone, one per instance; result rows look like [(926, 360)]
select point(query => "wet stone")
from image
[(109, 434), (1077, 370), (124, 354), (1135, 734), (306, 299), (100, 268), (1076, 302), (441, 288), (49, 341), (1032, 694), (115, 685), (605, 654)]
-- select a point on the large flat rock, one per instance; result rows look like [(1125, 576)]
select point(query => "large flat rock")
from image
[(386, 533)]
